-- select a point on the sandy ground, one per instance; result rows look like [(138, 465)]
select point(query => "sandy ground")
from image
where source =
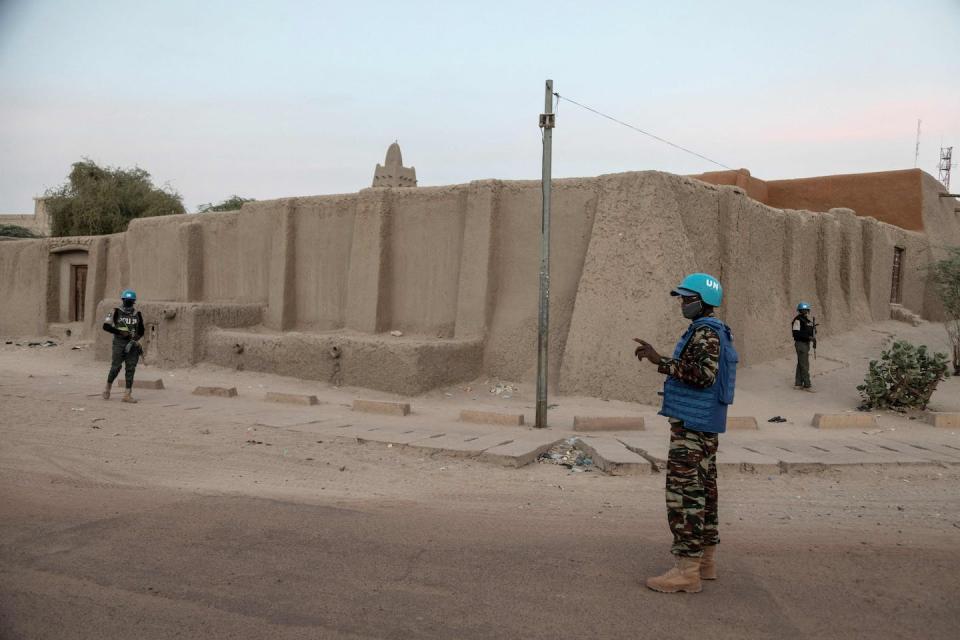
[(132, 523)]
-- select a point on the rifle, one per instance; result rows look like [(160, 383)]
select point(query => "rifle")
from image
[(134, 344), (815, 325)]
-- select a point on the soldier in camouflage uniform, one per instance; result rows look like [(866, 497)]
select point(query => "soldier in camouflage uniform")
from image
[(700, 380)]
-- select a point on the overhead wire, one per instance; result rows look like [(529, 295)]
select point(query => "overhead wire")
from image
[(639, 130)]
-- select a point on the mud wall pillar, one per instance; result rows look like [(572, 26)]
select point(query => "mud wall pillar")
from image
[(281, 305), (191, 265), (367, 290), (475, 292)]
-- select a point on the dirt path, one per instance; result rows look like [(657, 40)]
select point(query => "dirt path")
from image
[(157, 526)]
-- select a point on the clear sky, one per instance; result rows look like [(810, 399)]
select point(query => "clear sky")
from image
[(283, 98)]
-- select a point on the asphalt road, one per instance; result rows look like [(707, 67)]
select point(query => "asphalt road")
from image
[(83, 561)]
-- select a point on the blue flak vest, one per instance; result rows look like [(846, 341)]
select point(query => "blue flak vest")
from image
[(703, 409)]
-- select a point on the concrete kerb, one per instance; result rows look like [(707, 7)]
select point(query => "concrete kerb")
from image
[(291, 398), (154, 383), (491, 417), (510, 449), (607, 423), (521, 451), (362, 434), (857, 420), (942, 420), (220, 392), (614, 457), (382, 407), (460, 445), (741, 422)]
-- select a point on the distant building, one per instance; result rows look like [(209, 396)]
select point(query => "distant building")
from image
[(392, 173), (38, 222)]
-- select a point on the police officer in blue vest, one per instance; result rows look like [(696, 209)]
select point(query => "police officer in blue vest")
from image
[(698, 388), (126, 325)]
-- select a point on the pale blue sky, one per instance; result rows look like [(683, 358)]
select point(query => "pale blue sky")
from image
[(283, 98)]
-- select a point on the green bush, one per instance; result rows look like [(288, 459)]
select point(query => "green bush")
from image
[(100, 200), (946, 279), (16, 231), (233, 203), (903, 378)]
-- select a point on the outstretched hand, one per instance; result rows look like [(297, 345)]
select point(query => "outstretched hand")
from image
[(646, 350)]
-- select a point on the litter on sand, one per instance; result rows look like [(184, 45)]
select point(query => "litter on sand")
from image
[(567, 455)]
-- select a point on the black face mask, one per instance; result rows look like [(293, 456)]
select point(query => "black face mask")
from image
[(692, 310), (127, 304)]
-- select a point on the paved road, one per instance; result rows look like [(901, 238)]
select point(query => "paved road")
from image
[(153, 521), (86, 561)]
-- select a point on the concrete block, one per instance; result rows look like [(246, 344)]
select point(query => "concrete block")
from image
[(291, 398), (398, 437), (943, 420), (220, 392), (742, 422), (148, 384), (607, 423), (386, 408), (520, 452), (614, 457), (734, 458), (857, 420), (461, 445), (491, 417), (650, 446)]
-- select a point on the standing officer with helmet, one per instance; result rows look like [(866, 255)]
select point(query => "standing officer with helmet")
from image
[(804, 337), (126, 325), (699, 387)]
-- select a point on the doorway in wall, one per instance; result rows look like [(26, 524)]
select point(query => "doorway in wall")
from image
[(896, 285), (78, 291)]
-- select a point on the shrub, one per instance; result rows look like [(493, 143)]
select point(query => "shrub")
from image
[(233, 203), (903, 378), (99, 200), (946, 280), (16, 231)]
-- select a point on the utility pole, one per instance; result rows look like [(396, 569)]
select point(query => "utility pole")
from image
[(547, 121)]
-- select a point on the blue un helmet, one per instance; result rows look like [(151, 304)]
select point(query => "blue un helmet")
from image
[(129, 294), (702, 284), (803, 306)]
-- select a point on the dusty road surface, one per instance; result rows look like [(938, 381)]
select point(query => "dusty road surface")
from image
[(122, 523)]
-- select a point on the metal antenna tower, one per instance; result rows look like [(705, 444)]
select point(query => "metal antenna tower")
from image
[(946, 163), (916, 150)]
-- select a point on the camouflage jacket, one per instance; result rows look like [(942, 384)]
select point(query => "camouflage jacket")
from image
[(699, 362)]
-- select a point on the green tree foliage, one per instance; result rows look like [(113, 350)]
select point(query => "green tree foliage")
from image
[(16, 231), (904, 378), (232, 203), (99, 200), (945, 274)]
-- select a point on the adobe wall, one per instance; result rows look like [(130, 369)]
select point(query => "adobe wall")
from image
[(894, 197), (312, 286), (753, 187), (23, 288)]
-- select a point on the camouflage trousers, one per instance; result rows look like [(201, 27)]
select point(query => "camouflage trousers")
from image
[(692, 490), (120, 357)]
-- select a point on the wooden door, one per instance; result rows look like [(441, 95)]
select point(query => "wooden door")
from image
[(79, 293), (896, 291)]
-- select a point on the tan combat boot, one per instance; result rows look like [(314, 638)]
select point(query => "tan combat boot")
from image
[(708, 563), (106, 392), (128, 397), (683, 577)]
